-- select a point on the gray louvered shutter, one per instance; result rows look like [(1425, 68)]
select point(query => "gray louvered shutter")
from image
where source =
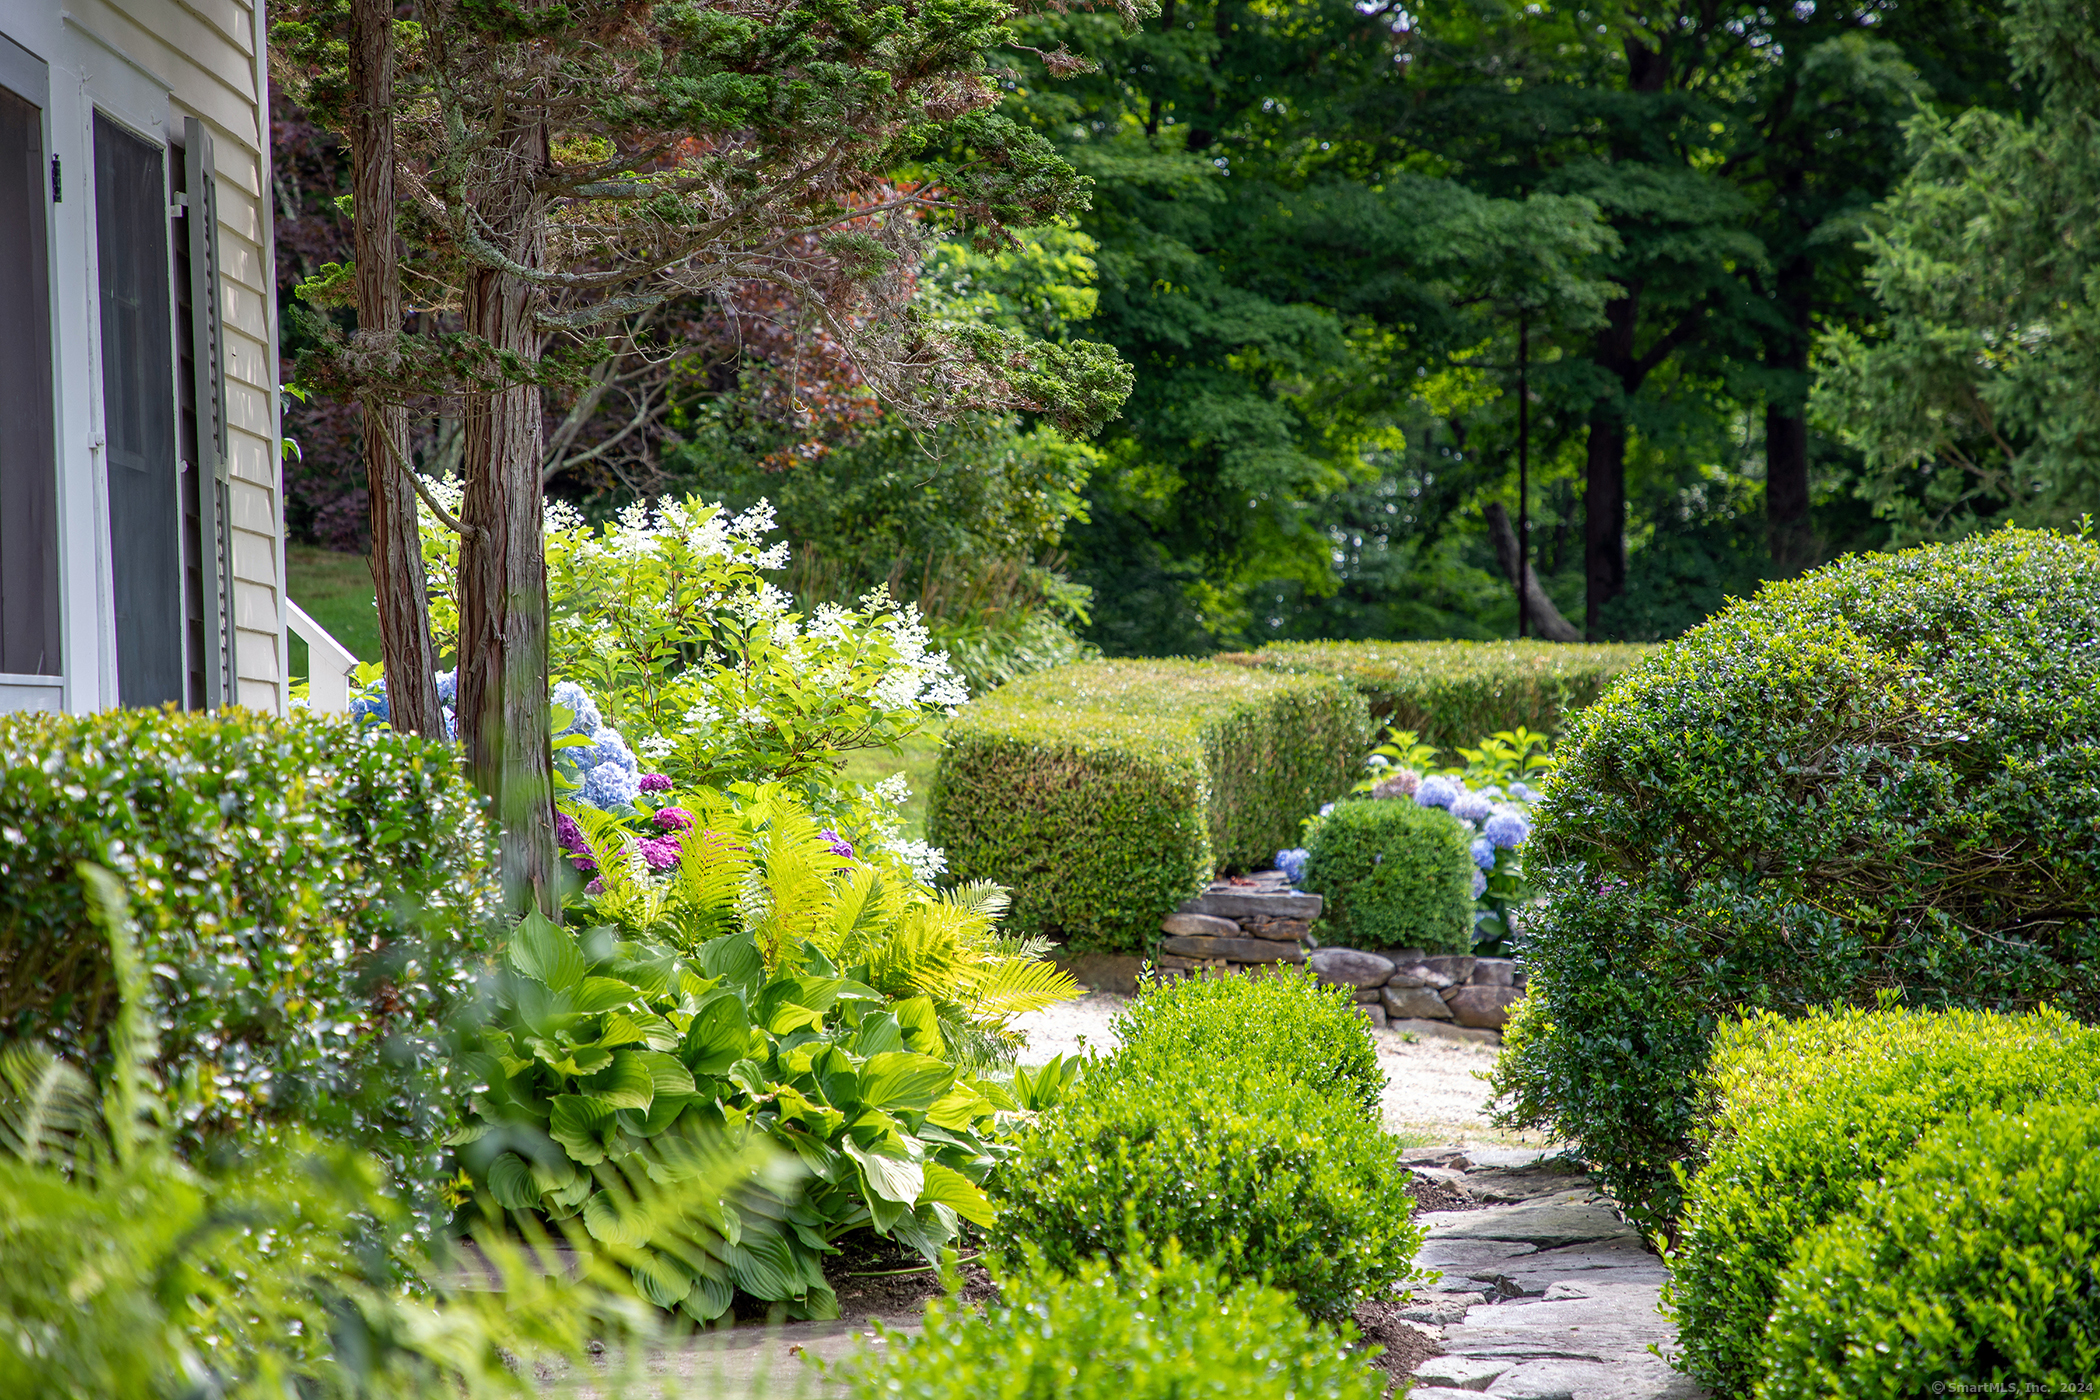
[(208, 361)]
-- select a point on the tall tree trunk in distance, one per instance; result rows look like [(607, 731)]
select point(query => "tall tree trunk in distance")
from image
[(1603, 516), (1604, 467), (1789, 532), (503, 707), (1546, 619), (397, 554)]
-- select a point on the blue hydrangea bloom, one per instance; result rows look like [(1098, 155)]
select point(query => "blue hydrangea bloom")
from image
[(610, 788), (1437, 792), (1483, 851), (1292, 863), (1480, 884), (1471, 807), (1524, 792), (1507, 829), (371, 705), (573, 698), (448, 688)]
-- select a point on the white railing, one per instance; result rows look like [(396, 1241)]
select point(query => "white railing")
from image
[(330, 669)]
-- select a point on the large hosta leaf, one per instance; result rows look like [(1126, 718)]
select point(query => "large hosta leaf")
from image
[(596, 994), (512, 1184), (896, 1179), (948, 1187), (626, 1082), (581, 1125), (719, 1036), (547, 952), (898, 1079)]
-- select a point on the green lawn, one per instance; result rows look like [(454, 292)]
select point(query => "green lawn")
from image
[(336, 591)]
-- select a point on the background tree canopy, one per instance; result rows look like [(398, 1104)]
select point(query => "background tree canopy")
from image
[(1791, 281)]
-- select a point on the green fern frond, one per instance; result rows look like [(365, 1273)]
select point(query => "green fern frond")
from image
[(132, 1098), (1013, 987), (48, 1111)]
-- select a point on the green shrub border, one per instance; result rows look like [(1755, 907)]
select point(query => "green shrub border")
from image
[(1104, 794), (1453, 693)]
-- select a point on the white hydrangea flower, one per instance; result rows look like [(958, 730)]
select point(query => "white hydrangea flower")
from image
[(701, 715), (895, 790), (752, 715), (657, 747), (926, 862)]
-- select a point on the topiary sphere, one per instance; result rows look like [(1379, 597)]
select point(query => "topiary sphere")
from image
[(1883, 776)]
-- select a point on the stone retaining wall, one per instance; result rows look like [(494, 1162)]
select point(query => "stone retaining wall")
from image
[(1259, 921)]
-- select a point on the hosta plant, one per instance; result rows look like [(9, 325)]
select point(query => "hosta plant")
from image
[(609, 1047)]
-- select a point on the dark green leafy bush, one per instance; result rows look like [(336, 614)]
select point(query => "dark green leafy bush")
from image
[(1974, 1270), (289, 1268), (1451, 693), (1237, 1162), (1106, 793), (1393, 875), (1805, 1115), (1287, 1020), (309, 897), (1183, 1330), (1878, 777)]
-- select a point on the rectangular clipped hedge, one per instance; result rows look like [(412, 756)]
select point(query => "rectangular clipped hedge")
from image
[(1104, 794), (1453, 693)]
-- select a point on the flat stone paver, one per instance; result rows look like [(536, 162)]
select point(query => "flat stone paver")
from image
[(1545, 1296)]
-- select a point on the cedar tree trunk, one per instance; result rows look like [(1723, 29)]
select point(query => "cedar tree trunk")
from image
[(503, 708), (397, 554)]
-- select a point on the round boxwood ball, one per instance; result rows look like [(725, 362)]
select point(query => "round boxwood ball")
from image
[(1882, 777)]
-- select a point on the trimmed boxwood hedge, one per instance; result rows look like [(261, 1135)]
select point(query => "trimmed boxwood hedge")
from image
[(1393, 875), (1880, 777), (1802, 1117), (307, 895), (1974, 1270), (1453, 693), (1104, 794)]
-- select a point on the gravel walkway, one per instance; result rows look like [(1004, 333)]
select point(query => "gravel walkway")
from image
[(1433, 1094)]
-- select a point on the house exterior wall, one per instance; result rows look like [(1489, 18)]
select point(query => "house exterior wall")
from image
[(149, 64)]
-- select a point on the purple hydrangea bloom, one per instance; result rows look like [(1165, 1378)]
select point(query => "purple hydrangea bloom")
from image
[(673, 819), (595, 887), (1507, 829), (662, 853), (840, 846), (568, 835), (1437, 791), (654, 782), (1471, 807), (1483, 853), (1292, 863), (1480, 884)]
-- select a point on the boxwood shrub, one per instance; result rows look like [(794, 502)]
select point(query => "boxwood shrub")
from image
[(1287, 1020), (1803, 1116), (1451, 693), (1236, 1161), (1133, 1331), (308, 897), (1392, 875), (1879, 777), (1974, 1270), (1104, 794)]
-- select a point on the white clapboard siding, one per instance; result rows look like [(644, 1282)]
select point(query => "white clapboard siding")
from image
[(206, 50)]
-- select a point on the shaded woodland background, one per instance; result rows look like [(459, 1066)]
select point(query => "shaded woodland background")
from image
[(1316, 230)]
